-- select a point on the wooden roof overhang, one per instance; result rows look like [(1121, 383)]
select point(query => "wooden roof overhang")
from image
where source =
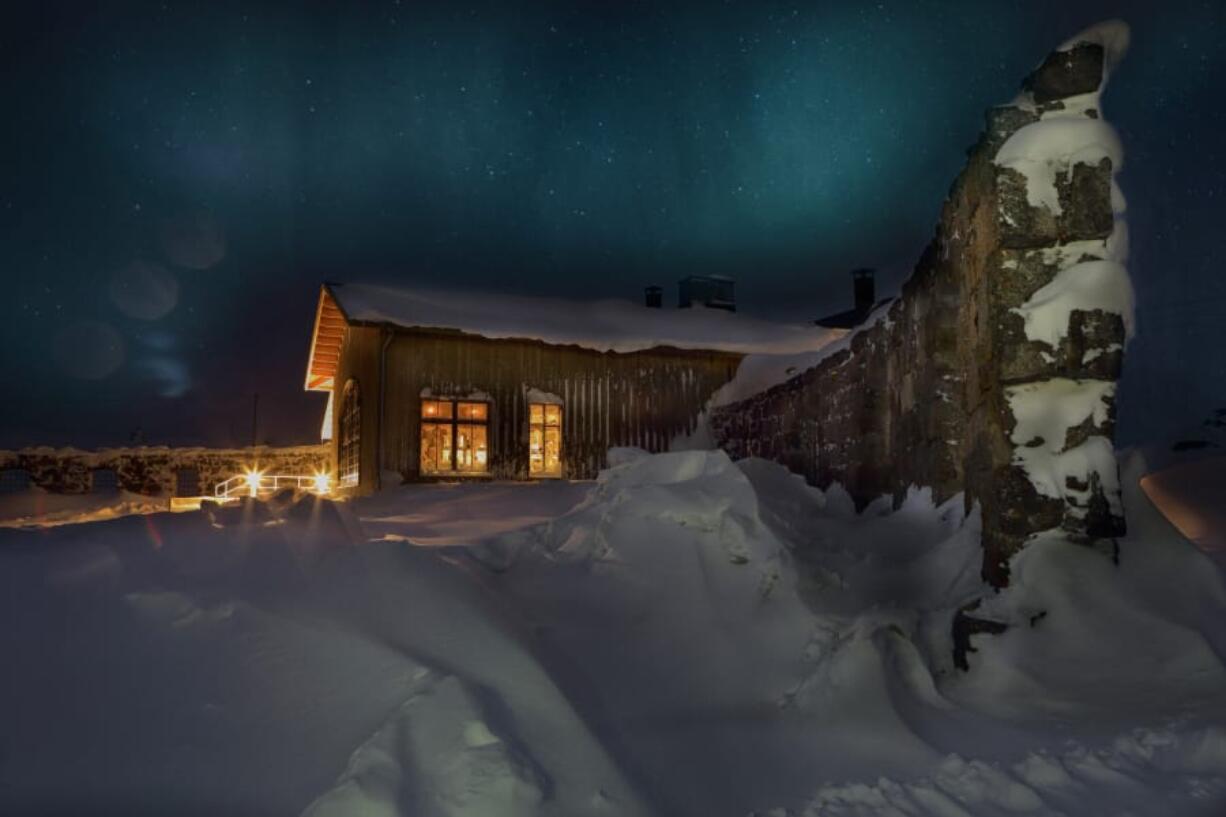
[(329, 332)]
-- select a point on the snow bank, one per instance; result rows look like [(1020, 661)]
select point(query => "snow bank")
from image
[(1157, 620), (1069, 780), (36, 507), (604, 325), (263, 659), (719, 705), (459, 766), (1106, 695), (463, 513), (685, 636)]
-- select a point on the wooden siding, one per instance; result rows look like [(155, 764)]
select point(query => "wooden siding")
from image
[(643, 399), (359, 359)]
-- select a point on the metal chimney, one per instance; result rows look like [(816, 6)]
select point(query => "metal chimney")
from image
[(655, 296), (864, 288)]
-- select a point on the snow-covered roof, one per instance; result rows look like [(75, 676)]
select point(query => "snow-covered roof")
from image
[(603, 325)]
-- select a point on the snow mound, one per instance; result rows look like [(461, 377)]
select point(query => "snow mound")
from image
[(37, 507), (1157, 619), (687, 636), (1105, 696), (1072, 780), (689, 519), (459, 767)]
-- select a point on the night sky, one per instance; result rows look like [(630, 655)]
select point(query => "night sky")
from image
[(178, 178)]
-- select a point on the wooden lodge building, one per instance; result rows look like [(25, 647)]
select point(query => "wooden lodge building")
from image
[(446, 385)]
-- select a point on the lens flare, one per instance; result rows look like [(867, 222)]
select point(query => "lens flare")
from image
[(253, 477)]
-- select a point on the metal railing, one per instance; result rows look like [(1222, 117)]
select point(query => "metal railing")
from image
[(258, 485)]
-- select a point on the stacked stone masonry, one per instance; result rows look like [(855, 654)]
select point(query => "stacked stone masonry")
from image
[(925, 393), (155, 470)]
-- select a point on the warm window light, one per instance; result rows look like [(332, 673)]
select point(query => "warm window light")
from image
[(323, 482)]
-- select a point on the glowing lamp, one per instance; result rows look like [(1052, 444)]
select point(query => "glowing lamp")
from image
[(323, 483), (252, 478)]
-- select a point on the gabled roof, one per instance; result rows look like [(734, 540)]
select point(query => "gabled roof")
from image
[(326, 340), (602, 325)]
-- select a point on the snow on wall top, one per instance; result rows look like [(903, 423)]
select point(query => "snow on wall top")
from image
[(609, 325), (1092, 274), (1051, 446), (1113, 35), (1072, 131)]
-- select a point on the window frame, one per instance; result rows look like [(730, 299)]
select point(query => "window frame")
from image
[(544, 426), (454, 421), (349, 437)]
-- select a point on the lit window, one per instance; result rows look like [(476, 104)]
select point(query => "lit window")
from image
[(544, 440), (454, 437), (349, 455)]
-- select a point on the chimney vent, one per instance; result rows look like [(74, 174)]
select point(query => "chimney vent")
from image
[(865, 289), (654, 296), (711, 291)]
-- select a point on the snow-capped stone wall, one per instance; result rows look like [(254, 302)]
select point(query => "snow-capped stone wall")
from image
[(994, 372), (155, 470)]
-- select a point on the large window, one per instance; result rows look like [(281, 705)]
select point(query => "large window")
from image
[(349, 454), (454, 436), (544, 440)]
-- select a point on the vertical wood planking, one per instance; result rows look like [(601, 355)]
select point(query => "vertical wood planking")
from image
[(646, 399)]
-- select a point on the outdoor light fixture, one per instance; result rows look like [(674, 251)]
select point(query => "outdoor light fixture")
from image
[(323, 482), (252, 476)]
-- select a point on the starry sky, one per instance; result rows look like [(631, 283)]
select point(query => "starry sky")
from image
[(179, 178)]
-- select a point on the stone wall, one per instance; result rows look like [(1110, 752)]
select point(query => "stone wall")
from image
[(152, 470), (993, 373)]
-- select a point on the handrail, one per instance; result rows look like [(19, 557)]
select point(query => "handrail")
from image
[(264, 484)]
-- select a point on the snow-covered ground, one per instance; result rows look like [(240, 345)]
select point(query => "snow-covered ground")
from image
[(684, 636), (36, 507)]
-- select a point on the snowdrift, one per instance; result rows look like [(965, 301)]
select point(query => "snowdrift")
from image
[(686, 636), (37, 507)]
